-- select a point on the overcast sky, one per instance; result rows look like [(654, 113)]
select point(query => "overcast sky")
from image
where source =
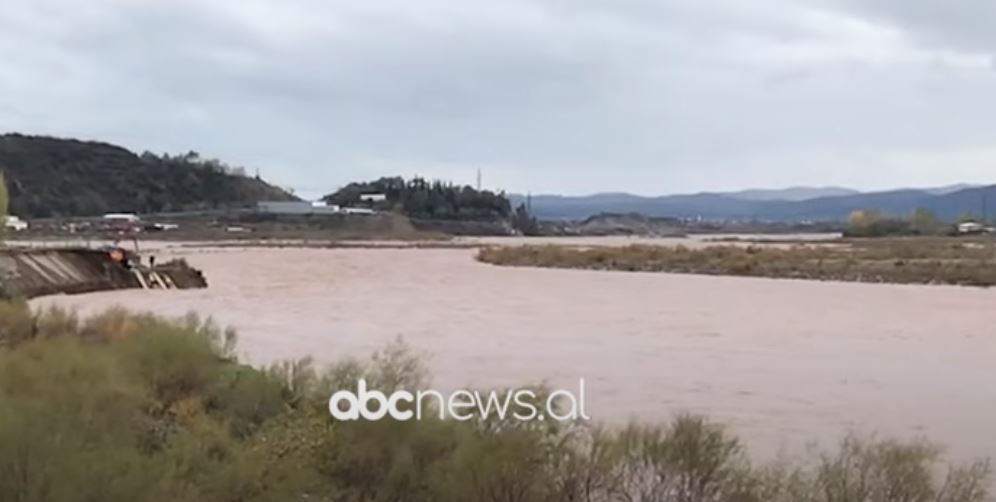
[(565, 96)]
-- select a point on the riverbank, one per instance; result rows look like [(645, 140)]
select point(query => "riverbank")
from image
[(152, 242), (897, 261), (27, 272)]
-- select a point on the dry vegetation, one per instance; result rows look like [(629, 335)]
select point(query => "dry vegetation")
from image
[(902, 261), (125, 407)]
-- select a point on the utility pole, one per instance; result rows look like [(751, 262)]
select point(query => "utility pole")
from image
[(985, 207), (478, 179)]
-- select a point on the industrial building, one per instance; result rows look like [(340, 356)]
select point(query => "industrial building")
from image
[(296, 207)]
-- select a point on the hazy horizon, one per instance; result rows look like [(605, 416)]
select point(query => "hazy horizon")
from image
[(951, 186)]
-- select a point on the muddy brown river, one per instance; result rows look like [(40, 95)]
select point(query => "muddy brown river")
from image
[(783, 362)]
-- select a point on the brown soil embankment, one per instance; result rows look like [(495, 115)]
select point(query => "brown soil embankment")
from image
[(29, 273)]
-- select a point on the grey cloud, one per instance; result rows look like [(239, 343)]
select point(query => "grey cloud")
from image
[(959, 24), (545, 95)]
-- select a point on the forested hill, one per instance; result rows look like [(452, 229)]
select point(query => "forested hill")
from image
[(63, 177), (420, 198)]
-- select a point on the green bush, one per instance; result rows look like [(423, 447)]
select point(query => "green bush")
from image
[(124, 407), (16, 322)]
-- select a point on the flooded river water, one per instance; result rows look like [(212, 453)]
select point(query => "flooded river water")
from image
[(783, 362)]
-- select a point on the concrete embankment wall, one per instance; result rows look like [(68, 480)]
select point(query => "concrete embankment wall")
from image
[(465, 228), (36, 272)]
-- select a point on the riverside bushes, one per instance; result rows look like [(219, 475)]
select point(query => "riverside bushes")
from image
[(926, 261), (126, 407)]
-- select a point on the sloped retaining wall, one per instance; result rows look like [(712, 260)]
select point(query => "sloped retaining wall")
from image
[(465, 227), (36, 272)]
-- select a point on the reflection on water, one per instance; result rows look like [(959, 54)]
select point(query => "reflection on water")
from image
[(784, 362)]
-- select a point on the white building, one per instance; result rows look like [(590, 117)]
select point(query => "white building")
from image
[(971, 227), (373, 197), (121, 217), (296, 207), (357, 210)]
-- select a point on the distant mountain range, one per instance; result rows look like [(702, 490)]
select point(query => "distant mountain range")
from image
[(791, 194), (792, 204)]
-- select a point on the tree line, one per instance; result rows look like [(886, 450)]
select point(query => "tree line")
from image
[(870, 223)]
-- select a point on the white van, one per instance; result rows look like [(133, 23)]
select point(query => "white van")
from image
[(14, 223)]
